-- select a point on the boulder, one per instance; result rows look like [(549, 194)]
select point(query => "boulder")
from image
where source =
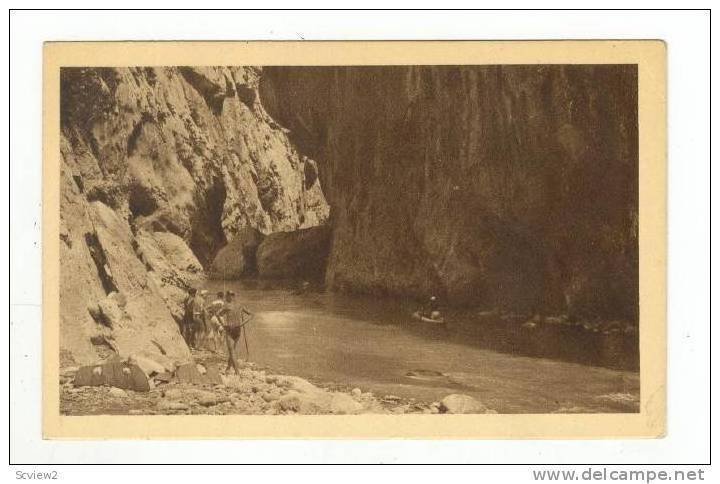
[(302, 253), (148, 365), (198, 374), (304, 397), (188, 373), (458, 403), (295, 382), (290, 402), (314, 403), (238, 257), (115, 374), (343, 404), (68, 372)]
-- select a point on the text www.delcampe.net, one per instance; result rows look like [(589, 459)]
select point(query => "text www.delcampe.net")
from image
[(605, 474)]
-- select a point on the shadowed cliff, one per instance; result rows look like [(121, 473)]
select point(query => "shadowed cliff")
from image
[(496, 186)]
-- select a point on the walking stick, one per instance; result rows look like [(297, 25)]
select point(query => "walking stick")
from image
[(244, 333), (247, 350)]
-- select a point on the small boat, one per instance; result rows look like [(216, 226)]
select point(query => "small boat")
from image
[(418, 316)]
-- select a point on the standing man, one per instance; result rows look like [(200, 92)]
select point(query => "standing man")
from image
[(193, 315), (234, 323), (198, 317), (187, 314)]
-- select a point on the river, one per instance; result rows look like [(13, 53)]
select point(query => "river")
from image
[(373, 344)]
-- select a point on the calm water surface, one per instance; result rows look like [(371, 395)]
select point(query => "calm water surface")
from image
[(374, 345)]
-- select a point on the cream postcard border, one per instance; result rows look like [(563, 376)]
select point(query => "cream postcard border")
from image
[(649, 55)]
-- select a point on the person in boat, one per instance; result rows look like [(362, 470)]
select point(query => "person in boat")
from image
[(233, 321), (432, 309), (303, 288)]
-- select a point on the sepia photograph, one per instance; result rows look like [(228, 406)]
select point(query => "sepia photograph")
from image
[(386, 239), (261, 244)]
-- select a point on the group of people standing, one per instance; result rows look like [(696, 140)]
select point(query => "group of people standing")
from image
[(214, 320)]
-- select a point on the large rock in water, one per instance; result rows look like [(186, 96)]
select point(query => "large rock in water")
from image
[(302, 253), (238, 257), (500, 186)]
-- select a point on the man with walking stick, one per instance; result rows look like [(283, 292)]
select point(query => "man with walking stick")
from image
[(235, 318)]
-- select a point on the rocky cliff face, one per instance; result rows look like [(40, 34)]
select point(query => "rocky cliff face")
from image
[(511, 187), (496, 186), (161, 167)]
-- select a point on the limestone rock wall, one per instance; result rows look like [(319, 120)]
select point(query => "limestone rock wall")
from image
[(109, 302), (187, 150), (161, 167), (494, 186)]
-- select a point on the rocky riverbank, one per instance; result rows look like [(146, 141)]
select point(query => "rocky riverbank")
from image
[(256, 391)]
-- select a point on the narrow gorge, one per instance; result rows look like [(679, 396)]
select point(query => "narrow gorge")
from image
[(510, 188)]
